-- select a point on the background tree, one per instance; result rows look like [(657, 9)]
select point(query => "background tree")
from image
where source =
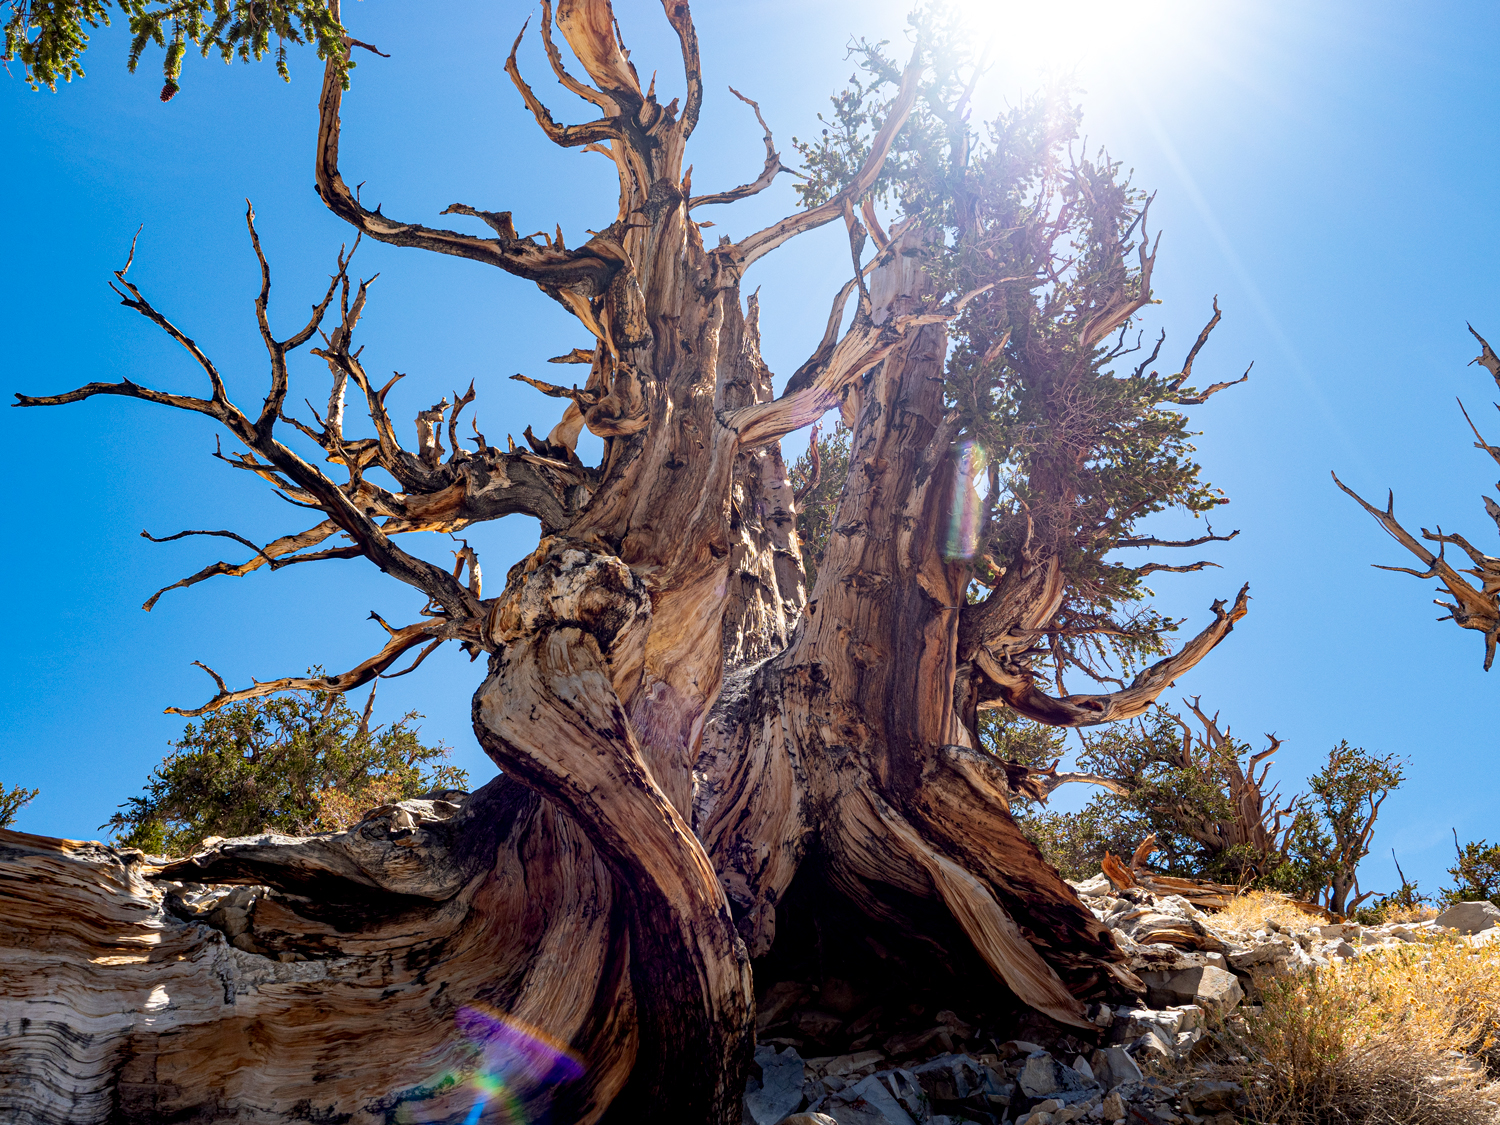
[(1476, 875), (1345, 798), (13, 801), (1201, 793), (1203, 798), (296, 764), (817, 479), (705, 764)]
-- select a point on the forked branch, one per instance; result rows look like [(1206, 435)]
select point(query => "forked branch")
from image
[(758, 245), (761, 182), (581, 272), (1014, 684), (1471, 608), (401, 641), (281, 464)]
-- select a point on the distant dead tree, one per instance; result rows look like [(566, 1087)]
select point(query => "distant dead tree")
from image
[(1474, 606)]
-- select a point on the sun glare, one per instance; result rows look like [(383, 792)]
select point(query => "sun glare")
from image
[(1058, 37)]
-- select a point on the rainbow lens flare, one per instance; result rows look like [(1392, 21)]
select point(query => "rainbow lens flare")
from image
[(512, 1062), (967, 505)]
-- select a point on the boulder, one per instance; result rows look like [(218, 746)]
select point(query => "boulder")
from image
[(1208, 1096), (1213, 989), (1096, 887), (808, 1119), (1154, 1045), (908, 1091), (1470, 917), (1043, 1076), (1039, 1075), (1112, 1067), (875, 1094), (778, 1092)]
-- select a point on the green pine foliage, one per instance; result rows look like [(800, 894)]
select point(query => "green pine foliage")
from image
[(1344, 800), (1083, 443), (1177, 798), (13, 802), (49, 37), (297, 764), (818, 496), (1476, 875)]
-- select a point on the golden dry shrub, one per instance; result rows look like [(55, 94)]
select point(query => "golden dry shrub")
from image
[(1395, 912), (1398, 1037), (1251, 911)]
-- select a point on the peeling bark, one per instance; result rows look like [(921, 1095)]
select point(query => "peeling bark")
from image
[(682, 726)]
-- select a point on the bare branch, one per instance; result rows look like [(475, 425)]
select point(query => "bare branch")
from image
[(554, 57), (278, 349), (569, 136), (1475, 609), (1152, 568), (681, 18), (269, 554), (1040, 784), (1187, 365), (581, 272), (1152, 541), (756, 246), (1479, 442), (1486, 358), (1016, 685), (400, 641), (1208, 392), (761, 182)]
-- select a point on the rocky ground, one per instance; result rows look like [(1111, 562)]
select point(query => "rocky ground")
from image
[(1139, 1068)]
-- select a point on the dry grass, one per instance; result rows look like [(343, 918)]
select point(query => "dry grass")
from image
[(1389, 1039), (1251, 911), (1390, 912)]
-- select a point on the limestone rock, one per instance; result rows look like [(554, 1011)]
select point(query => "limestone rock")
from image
[(1214, 989), (779, 1090), (1113, 1067), (874, 1093), (1043, 1076), (1470, 917), (1208, 1096)]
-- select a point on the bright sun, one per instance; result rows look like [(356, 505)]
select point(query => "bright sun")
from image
[(1057, 36)]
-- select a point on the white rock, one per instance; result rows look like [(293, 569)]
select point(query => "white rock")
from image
[(880, 1099), (1470, 917), (779, 1091), (1038, 1076), (1096, 887), (1113, 1067)]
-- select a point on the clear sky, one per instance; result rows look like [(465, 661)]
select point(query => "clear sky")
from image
[(1326, 169)]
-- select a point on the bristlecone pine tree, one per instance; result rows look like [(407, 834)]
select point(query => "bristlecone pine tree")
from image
[(707, 768)]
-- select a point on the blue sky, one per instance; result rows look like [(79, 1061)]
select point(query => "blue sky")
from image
[(1325, 169)]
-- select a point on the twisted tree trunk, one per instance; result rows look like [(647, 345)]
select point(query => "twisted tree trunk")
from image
[(682, 727)]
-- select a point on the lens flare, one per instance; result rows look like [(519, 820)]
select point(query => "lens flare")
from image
[(968, 505), (511, 1063), (523, 1054)]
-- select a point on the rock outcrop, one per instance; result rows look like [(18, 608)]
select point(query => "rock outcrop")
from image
[(1197, 971)]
